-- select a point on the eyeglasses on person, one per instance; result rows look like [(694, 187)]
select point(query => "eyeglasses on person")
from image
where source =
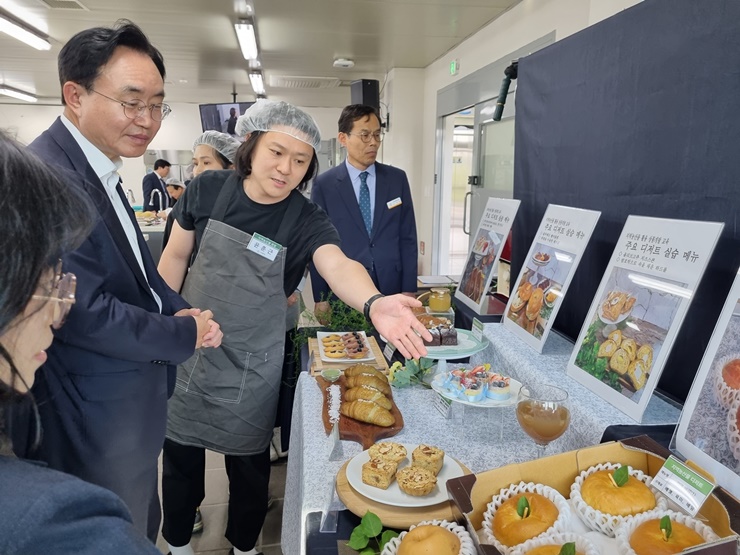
[(62, 294), (133, 109), (365, 136)]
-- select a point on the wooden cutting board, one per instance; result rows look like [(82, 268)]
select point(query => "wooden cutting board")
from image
[(354, 430), (390, 516)]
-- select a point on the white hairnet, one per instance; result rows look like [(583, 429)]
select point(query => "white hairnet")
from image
[(175, 181), (270, 115), (223, 143)]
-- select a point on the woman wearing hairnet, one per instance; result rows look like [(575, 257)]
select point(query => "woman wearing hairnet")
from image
[(253, 233)]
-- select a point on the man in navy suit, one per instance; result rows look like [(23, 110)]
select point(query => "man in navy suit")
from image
[(370, 205), (155, 181), (102, 394)]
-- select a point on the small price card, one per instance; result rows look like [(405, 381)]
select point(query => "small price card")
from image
[(388, 351), (477, 329), (682, 485), (443, 405), (267, 248)]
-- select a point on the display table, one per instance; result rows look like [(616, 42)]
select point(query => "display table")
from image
[(466, 436), (153, 235)]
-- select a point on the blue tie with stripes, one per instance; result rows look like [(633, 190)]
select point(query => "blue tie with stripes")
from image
[(365, 203)]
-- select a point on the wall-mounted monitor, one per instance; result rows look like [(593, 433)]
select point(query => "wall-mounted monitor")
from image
[(222, 117)]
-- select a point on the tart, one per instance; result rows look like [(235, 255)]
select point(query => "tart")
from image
[(416, 481), (603, 506), (642, 534), (727, 379), (499, 388), (465, 542), (503, 527)]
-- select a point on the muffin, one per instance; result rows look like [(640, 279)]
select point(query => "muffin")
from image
[(603, 506), (378, 472), (394, 452), (426, 456), (642, 534), (504, 528), (416, 481)]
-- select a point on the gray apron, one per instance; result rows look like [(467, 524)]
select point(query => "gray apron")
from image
[(225, 399)]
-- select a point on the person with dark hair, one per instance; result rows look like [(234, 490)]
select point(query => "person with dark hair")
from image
[(370, 205), (155, 181), (43, 510), (103, 391), (231, 122), (254, 234)]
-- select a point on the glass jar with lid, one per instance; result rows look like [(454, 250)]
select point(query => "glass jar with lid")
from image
[(439, 300)]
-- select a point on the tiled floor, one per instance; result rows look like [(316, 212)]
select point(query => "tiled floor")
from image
[(212, 540)]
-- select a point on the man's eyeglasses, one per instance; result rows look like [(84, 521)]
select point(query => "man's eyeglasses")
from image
[(365, 136), (62, 294), (136, 108)]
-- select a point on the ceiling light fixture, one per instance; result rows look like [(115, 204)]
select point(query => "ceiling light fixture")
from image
[(30, 36), (258, 84), (344, 63), (245, 34), (15, 93)]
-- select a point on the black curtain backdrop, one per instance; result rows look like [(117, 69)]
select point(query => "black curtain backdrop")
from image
[(638, 114)]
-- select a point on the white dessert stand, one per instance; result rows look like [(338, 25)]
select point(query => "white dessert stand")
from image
[(467, 346)]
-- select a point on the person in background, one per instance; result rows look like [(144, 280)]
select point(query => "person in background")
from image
[(102, 393), (370, 205), (231, 122), (211, 151), (254, 233), (175, 188), (43, 510), (155, 181)]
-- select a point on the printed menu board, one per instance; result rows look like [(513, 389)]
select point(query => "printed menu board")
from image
[(708, 432), (547, 271), (488, 242), (639, 307)]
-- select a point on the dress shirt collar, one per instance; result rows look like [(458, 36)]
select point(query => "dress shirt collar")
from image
[(354, 173), (105, 168)]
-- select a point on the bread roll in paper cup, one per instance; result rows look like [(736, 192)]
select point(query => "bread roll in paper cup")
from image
[(583, 544), (727, 379), (467, 547), (600, 521), (625, 530), (561, 524)]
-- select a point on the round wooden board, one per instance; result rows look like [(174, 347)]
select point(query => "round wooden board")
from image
[(390, 516)]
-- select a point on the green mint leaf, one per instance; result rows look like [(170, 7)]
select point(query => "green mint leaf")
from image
[(387, 536), (358, 540), (371, 524), (568, 549), (522, 507), (621, 475), (665, 526), (368, 551)]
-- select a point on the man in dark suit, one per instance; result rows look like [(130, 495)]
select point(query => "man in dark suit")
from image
[(370, 205), (102, 394), (155, 181)]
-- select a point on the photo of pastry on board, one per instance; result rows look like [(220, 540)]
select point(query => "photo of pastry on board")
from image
[(627, 330), (539, 288), (480, 265)]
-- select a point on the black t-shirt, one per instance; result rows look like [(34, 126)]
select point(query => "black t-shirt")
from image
[(312, 229)]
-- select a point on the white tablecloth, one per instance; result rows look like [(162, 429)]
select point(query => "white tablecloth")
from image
[(472, 435)]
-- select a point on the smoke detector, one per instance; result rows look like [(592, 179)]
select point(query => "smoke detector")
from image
[(344, 63)]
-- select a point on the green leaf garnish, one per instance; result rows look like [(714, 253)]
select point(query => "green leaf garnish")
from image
[(621, 475), (387, 536), (568, 549), (522, 507), (358, 540), (665, 527), (371, 525)]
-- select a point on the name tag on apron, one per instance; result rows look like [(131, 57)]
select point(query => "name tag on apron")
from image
[(267, 248), (393, 203)]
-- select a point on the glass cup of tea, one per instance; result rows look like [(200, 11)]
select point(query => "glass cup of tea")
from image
[(543, 412)]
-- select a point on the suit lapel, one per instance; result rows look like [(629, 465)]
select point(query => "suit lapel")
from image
[(102, 202), (382, 187), (346, 192)]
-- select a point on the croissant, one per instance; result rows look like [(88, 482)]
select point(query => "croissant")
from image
[(370, 381), (367, 411), (368, 394), (358, 369)]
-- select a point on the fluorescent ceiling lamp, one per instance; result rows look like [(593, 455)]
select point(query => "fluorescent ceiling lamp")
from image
[(31, 38), (15, 93), (247, 40), (258, 84)]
